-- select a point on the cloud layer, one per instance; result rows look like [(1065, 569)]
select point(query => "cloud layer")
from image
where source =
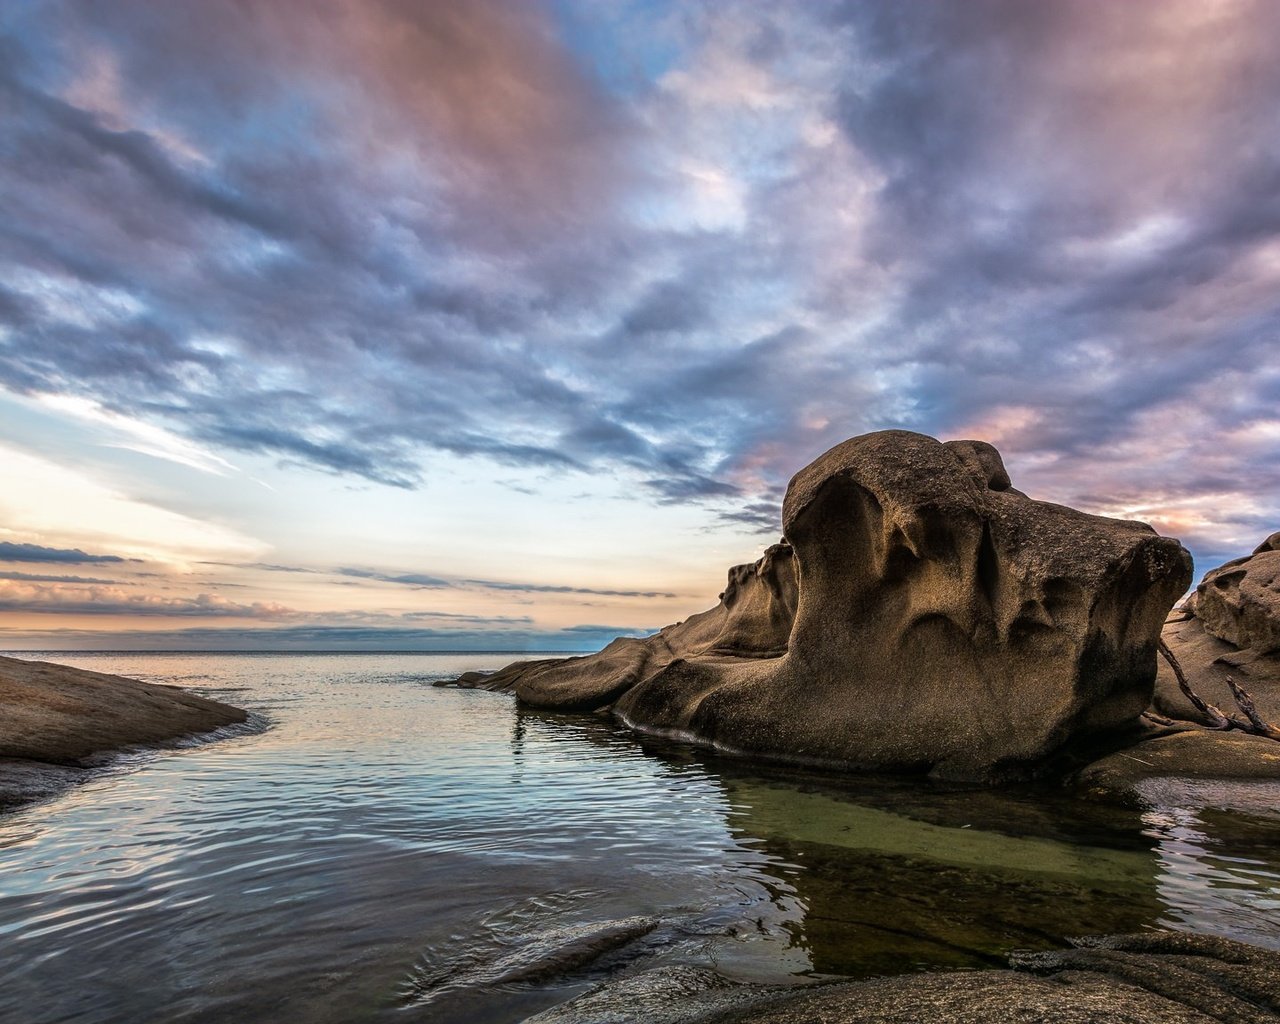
[(25, 552), (688, 245)]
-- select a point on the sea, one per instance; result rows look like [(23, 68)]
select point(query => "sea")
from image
[(373, 848)]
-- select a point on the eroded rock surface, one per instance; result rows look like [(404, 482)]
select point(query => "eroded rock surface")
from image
[(921, 614), (1195, 745), (1214, 644), (1207, 663)]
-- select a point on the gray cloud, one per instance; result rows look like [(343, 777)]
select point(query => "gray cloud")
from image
[(266, 567), (32, 577), (549, 588), (424, 581), (1056, 203), (760, 516), (27, 595), (57, 599), (11, 552), (611, 631), (411, 579)]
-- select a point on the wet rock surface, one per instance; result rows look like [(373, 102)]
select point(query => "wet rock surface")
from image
[(1184, 751), (547, 955), (920, 615)]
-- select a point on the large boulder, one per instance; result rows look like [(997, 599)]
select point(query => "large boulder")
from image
[(920, 615)]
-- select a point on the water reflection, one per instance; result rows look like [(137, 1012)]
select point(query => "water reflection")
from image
[(385, 838), (881, 875), (1217, 846)]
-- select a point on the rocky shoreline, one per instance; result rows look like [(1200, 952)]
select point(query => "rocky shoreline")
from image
[(1149, 978), (921, 615), (59, 722)]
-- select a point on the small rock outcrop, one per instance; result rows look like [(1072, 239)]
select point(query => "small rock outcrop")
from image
[(55, 720), (920, 615), (752, 620)]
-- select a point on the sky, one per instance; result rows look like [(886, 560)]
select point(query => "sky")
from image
[(503, 325)]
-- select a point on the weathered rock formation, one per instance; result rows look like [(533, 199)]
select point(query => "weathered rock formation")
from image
[(920, 614), (1229, 629), (752, 620), (1222, 641), (1240, 602)]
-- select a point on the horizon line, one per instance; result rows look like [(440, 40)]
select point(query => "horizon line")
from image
[(272, 650)]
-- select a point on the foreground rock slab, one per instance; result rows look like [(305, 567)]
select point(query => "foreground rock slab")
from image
[(56, 719), (919, 615), (1154, 978)]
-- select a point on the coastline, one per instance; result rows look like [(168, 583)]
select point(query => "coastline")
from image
[(363, 799)]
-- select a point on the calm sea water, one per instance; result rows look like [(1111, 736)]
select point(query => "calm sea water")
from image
[(382, 850)]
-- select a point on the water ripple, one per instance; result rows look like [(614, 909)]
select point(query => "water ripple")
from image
[(370, 847)]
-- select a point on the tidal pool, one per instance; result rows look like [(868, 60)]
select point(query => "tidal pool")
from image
[(382, 850)]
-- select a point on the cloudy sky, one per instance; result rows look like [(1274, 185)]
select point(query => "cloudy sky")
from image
[(503, 324)]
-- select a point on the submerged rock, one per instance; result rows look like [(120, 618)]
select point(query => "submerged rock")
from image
[(920, 614), (676, 994), (549, 954)]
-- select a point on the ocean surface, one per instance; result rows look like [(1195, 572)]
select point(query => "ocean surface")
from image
[(376, 849)]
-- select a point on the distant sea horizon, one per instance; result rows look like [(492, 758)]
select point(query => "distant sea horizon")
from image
[(292, 650)]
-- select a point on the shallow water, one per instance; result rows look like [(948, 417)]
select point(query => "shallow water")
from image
[(388, 851)]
